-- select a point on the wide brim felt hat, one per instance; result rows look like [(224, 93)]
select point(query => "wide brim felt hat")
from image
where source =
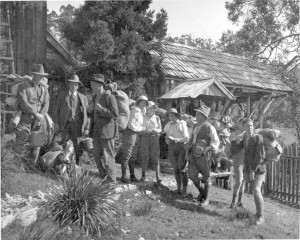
[(151, 104), (174, 111), (204, 110), (74, 79), (38, 69), (99, 78), (142, 98)]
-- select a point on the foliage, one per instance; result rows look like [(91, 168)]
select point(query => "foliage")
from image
[(193, 42), (113, 37), (269, 30), (84, 203), (142, 208)]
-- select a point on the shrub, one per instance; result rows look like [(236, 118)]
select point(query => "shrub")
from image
[(85, 203), (143, 208)]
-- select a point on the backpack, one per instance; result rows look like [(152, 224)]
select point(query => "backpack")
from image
[(123, 107)]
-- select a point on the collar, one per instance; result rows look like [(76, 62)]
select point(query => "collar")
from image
[(177, 121), (70, 93)]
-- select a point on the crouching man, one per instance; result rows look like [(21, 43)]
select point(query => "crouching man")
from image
[(203, 142)]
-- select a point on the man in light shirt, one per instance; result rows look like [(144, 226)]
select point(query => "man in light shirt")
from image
[(177, 136), (203, 141), (150, 141), (70, 115), (131, 138)]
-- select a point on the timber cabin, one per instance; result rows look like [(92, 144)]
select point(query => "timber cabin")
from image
[(220, 80)]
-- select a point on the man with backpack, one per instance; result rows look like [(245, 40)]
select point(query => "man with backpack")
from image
[(33, 99), (105, 129)]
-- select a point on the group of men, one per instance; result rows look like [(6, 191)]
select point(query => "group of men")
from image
[(190, 153), (189, 150)]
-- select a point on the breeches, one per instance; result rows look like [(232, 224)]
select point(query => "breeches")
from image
[(176, 156), (150, 149), (199, 165)]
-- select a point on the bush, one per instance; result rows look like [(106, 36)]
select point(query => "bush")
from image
[(85, 203), (143, 208)]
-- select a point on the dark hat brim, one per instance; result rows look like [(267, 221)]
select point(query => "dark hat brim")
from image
[(41, 74)]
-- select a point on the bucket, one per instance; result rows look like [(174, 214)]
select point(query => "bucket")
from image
[(47, 161)]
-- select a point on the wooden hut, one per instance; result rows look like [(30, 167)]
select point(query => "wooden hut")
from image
[(253, 86)]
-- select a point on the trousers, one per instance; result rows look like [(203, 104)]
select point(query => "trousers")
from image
[(104, 155), (150, 150)]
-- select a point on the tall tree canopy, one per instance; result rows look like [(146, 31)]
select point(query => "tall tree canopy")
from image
[(270, 30), (116, 37)]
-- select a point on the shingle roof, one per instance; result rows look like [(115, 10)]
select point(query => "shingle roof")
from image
[(196, 87), (185, 62)]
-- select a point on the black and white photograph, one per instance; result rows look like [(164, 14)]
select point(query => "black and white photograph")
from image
[(150, 119)]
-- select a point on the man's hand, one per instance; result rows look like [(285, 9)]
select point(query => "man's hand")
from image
[(90, 108), (167, 141), (39, 117), (206, 150), (98, 107), (251, 175), (85, 133), (185, 167)]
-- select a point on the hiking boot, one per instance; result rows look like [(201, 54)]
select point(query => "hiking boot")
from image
[(204, 202), (125, 180), (133, 179), (241, 205), (158, 180), (143, 179), (260, 220), (232, 205)]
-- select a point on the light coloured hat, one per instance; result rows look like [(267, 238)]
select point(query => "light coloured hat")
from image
[(174, 110), (75, 79), (203, 109), (38, 69), (151, 104), (142, 98)]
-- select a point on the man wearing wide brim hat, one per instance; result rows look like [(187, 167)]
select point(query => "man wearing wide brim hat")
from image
[(104, 111), (204, 140), (176, 136), (70, 115), (131, 138), (33, 99)]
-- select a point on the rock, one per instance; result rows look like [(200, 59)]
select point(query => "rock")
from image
[(7, 220), (40, 195), (27, 216), (125, 231), (119, 189), (8, 197), (136, 194), (30, 199), (116, 197), (131, 187), (127, 214), (141, 238), (148, 192), (125, 188)]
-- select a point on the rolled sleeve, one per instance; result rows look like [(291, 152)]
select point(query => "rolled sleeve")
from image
[(214, 139)]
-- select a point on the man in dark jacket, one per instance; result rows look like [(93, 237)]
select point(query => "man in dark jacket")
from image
[(105, 129), (254, 165), (33, 99), (70, 115)]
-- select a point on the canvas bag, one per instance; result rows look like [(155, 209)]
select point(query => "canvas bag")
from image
[(199, 148)]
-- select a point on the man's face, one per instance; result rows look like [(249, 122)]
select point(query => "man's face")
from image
[(248, 127), (150, 111), (142, 104), (37, 78), (200, 117), (73, 87), (242, 114), (95, 86), (172, 117)]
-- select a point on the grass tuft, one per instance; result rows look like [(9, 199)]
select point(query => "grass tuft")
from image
[(85, 203), (143, 208)]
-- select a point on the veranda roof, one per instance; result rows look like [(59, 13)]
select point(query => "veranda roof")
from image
[(193, 88), (185, 62)]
